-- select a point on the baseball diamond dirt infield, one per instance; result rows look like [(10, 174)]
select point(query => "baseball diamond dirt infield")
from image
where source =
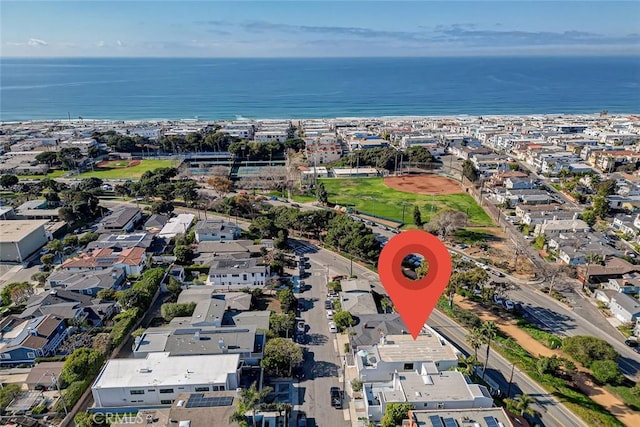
[(424, 184)]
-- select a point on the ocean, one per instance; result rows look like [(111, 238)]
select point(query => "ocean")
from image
[(211, 89)]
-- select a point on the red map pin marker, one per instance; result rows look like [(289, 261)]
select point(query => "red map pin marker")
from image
[(414, 299)]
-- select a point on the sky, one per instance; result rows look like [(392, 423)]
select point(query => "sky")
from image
[(317, 28)]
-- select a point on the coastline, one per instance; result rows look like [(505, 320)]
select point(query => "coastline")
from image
[(87, 121)]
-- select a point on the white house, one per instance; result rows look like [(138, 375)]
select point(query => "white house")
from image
[(232, 273), (216, 230), (400, 353), (159, 378), (624, 307), (425, 388)]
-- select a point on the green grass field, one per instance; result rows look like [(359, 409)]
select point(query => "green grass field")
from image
[(50, 175), (370, 195), (133, 172)]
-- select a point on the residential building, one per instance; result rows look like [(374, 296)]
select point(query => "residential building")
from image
[(19, 239), (624, 308), (155, 223), (216, 230), (625, 224), (356, 297), (120, 219), (44, 375), (122, 241), (554, 228), (402, 353), (23, 340), (425, 388), (471, 417), (132, 260), (71, 306), (86, 282), (371, 327), (180, 224), (629, 284), (37, 209), (231, 273), (159, 378)]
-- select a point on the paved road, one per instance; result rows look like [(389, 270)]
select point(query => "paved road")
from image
[(553, 413), (323, 367)]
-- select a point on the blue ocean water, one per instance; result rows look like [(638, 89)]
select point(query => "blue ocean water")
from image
[(125, 88)]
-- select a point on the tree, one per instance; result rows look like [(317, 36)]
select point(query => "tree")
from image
[(282, 324), (287, 300), (417, 216), (70, 240), (395, 413), (606, 372), (18, 293), (174, 287), (8, 181), (88, 184), (469, 171), (343, 320), (170, 310), (250, 400), (281, 356), (9, 392), (321, 194), (606, 188), (600, 206), (47, 157), (83, 363), (540, 241), (87, 238), (521, 405), (184, 254), (446, 222), (489, 332), (47, 259), (222, 185), (108, 294), (162, 207), (589, 216), (474, 339)]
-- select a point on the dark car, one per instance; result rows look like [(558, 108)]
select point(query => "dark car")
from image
[(328, 304), (298, 373), (302, 419), (631, 343), (336, 397)]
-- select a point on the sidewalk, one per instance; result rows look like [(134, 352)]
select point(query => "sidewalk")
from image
[(355, 406)]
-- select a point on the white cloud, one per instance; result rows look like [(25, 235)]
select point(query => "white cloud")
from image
[(37, 42), (100, 43), (119, 43)]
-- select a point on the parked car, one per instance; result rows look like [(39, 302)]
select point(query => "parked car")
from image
[(302, 419), (497, 299), (45, 251), (631, 342), (333, 328), (300, 326), (336, 397), (508, 304), (330, 314)]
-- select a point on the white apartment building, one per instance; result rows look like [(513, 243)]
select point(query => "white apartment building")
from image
[(159, 378), (233, 274)]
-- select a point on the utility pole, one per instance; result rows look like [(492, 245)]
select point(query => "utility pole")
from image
[(513, 366)]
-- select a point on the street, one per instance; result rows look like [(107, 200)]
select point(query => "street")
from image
[(322, 365)]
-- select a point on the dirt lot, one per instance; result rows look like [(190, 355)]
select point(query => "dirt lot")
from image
[(598, 394), (423, 184)]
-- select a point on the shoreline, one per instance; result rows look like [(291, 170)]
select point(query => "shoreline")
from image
[(334, 118)]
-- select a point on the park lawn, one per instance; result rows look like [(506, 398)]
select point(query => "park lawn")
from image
[(51, 175), (133, 172), (371, 196)]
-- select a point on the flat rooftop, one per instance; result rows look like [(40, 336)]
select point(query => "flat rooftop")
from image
[(16, 230), (159, 369), (478, 417), (446, 386), (403, 348)]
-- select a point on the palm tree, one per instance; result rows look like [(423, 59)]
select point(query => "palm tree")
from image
[(522, 404), (250, 400), (469, 363), (474, 339), (489, 331)]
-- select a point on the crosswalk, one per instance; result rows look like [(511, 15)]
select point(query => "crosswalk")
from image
[(301, 248)]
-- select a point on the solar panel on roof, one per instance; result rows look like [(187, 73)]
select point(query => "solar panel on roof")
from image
[(491, 422), (450, 422), (436, 421), (197, 400)]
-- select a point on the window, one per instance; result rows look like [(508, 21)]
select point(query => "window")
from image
[(133, 392), (166, 402), (408, 366), (5, 356), (202, 389), (218, 388), (166, 390), (31, 355)]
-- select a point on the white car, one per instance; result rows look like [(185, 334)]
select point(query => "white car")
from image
[(330, 314), (508, 304), (497, 299), (333, 328)]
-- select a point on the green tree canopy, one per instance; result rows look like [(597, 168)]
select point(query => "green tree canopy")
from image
[(82, 364), (395, 413), (281, 356), (587, 349)]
